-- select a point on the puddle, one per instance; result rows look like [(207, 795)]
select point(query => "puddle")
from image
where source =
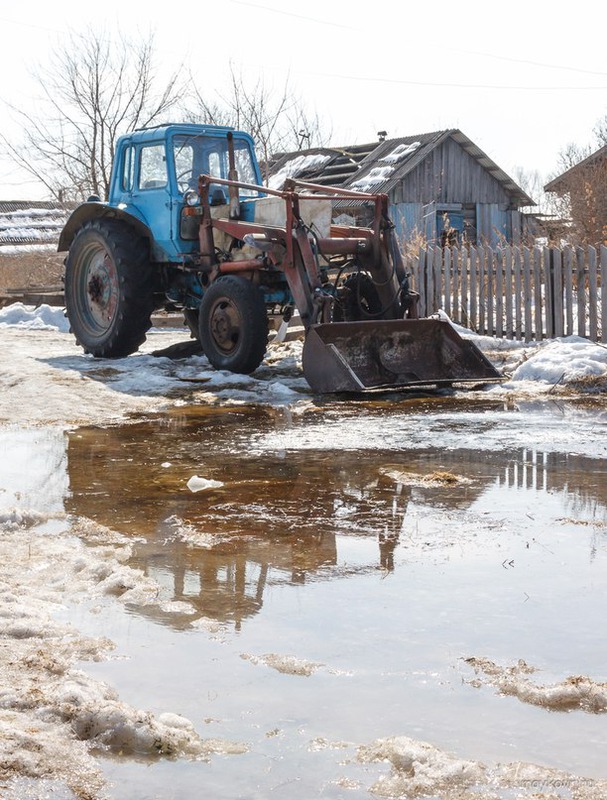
[(334, 579)]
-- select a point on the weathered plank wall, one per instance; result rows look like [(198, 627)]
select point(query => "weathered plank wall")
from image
[(515, 292)]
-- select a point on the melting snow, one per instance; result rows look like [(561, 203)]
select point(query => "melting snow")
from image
[(297, 166), (375, 177), (574, 692), (400, 151)]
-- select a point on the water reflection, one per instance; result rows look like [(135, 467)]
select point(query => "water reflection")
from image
[(282, 515)]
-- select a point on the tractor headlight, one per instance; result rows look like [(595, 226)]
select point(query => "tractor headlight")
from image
[(191, 198)]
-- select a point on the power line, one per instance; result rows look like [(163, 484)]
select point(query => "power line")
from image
[(295, 16), (528, 61), (442, 85)]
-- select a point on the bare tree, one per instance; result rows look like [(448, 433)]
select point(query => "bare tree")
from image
[(579, 190), (94, 89), (276, 120)]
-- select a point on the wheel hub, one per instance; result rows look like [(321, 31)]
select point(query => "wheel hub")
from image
[(225, 326), (101, 288)]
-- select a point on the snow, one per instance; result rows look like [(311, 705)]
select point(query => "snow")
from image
[(400, 151), (51, 710), (39, 353), (380, 174), (297, 166), (373, 178), (45, 317), (573, 692)]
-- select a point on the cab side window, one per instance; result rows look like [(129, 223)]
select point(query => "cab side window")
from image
[(152, 167), (128, 170)]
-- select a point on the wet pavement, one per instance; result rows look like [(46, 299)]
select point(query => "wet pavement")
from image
[(329, 585)]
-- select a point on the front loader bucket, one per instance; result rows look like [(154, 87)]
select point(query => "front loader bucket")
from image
[(384, 354)]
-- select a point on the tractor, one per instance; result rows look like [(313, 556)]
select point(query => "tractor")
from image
[(189, 226)]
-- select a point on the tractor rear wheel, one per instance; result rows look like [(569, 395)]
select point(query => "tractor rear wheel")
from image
[(109, 288), (233, 324)]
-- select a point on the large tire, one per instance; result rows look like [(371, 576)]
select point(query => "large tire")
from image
[(233, 324), (109, 288), (357, 299)]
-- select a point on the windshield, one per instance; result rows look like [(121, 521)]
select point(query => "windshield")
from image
[(208, 155)]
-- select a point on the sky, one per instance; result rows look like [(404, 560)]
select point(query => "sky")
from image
[(522, 80)]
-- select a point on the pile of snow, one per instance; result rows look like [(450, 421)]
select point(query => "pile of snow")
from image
[(45, 317), (564, 360), (540, 366), (418, 769), (575, 692)]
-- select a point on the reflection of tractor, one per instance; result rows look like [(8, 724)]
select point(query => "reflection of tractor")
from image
[(189, 226), (272, 522)]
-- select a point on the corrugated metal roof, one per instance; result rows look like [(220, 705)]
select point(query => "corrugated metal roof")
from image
[(31, 222), (379, 166)]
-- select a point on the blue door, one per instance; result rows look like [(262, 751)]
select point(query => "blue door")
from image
[(449, 227)]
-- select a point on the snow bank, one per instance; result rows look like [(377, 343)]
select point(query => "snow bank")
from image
[(565, 360), (45, 317), (540, 366)]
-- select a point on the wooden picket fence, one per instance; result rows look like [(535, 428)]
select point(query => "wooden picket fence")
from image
[(519, 293)]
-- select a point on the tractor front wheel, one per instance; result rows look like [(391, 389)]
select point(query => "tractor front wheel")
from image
[(233, 324), (358, 299), (109, 288)]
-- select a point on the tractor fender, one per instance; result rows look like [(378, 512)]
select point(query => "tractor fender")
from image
[(93, 209)]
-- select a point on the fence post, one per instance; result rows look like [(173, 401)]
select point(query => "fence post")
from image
[(447, 280), (548, 282), (537, 293), (438, 278), (568, 284), (482, 289), (508, 291), (474, 300), (527, 293), (580, 255), (603, 293), (429, 273), (592, 294), (498, 293), (456, 312), (557, 290)]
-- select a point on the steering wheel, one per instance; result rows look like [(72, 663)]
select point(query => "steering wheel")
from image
[(185, 180)]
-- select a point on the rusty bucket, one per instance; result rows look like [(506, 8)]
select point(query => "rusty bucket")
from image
[(386, 354)]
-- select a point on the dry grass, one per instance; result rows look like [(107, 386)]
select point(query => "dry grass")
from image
[(28, 270)]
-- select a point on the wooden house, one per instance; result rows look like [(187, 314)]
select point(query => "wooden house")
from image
[(583, 192), (442, 188)]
